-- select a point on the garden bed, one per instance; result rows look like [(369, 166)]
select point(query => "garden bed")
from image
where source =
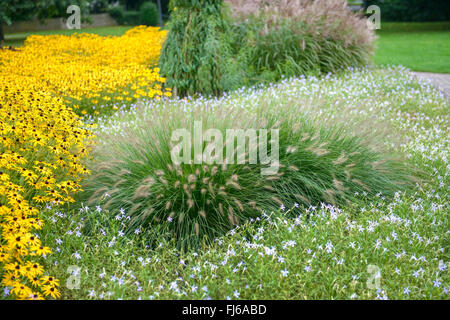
[(321, 253)]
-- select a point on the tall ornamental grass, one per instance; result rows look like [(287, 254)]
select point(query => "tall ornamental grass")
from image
[(294, 37), (133, 171)]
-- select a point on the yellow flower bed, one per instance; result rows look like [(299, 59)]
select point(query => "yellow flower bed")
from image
[(42, 140), (88, 66), (41, 146)]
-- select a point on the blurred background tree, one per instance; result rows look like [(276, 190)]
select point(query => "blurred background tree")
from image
[(137, 12), (136, 4), (412, 10), (22, 10), (14, 10)]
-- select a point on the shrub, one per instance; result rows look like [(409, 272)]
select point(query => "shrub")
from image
[(198, 202), (288, 38), (117, 13), (131, 18), (148, 13), (128, 18), (196, 57)]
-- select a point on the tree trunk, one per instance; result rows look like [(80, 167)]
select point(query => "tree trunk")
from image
[(2, 35), (160, 14)]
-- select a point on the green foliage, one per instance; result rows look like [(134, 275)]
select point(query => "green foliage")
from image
[(135, 4), (412, 10), (197, 55), (131, 18), (17, 10), (132, 4), (148, 14), (117, 13), (127, 18), (208, 52), (13, 10), (100, 6)]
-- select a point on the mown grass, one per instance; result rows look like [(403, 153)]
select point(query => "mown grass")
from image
[(378, 248), (17, 39), (418, 46)]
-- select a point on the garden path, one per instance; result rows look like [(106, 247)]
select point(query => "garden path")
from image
[(440, 80)]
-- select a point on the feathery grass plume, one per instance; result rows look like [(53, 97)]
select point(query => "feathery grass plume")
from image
[(293, 37), (333, 166), (192, 202), (197, 202)]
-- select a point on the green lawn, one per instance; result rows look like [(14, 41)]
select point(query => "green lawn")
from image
[(17, 39), (417, 46)]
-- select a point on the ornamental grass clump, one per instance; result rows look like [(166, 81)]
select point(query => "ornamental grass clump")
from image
[(293, 37), (193, 202), (190, 201), (322, 162)]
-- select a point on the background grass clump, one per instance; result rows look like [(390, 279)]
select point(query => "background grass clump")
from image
[(290, 38), (192, 202)]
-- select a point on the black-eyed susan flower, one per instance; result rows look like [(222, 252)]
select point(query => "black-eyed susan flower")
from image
[(21, 290), (50, 290), (50, 281), (35, 281), (35, 296), (35, 268), (41, 250)]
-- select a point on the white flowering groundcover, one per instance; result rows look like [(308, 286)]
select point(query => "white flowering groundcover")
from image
[(377, 249)]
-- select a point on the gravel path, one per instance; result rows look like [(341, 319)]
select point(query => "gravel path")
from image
[(440, 80)]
